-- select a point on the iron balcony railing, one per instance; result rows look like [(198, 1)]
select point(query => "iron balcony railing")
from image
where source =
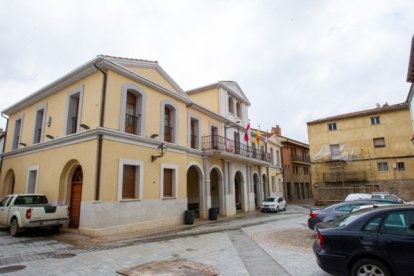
[(300, 158), (131, 123), (220, 143), (168, 134), (339, 177)]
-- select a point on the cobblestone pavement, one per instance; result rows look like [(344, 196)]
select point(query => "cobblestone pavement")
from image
[(249, 245)]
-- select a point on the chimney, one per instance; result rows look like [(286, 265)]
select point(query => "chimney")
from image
[(277, 130)]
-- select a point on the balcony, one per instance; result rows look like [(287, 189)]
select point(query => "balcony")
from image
[(222, 144), (131, 124), (339, 177), (300, 159)]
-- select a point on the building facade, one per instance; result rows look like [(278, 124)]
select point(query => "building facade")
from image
[(362, 151), (126, 148), (296, 167)]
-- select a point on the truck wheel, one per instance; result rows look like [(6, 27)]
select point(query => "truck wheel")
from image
[(14, 227)]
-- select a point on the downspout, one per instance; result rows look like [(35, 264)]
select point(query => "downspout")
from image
[(4, 142), (101, 124), (267, 172)]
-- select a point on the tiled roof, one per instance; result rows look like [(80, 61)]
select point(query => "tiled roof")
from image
[(410, 73), (383, 109)]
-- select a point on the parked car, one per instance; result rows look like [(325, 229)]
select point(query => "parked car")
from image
[(357, 196), (274, 204), (387, 196), (368, 242), (332, 212), (20, 211)]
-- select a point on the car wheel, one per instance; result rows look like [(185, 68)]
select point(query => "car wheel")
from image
[(284, 209), (14, 227), (369, 267)]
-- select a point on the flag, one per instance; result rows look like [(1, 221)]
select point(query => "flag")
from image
[(256, 141), (228, 146), (246, 136)]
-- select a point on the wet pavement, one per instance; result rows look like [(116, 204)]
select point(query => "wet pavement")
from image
[(250, 244)]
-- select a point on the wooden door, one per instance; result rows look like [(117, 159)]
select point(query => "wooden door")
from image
[(75, 198)]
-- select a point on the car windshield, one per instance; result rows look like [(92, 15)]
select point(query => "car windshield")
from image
[(345, 220), (271, 199), (30, 199)]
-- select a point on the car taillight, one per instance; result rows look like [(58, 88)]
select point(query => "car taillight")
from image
[(313, 214), (320, 239), (28, 213)]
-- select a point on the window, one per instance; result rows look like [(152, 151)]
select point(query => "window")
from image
[(169, 180), (399, 223), (74, 111), (194, 132), (401, 166), (238, 109), (168, 121), (231, 108), (332, 126), (274, 184), (17, 133), (382, 166), (373, 225), (132, 115), (272, 157), (3, 202), (39, 126), (277, 158), (375, 120), (379, 142), (214, 137), (130, 179), (32, 180), (236, 143), (280, 185)]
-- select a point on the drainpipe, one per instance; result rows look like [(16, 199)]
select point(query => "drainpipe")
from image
[(5, 136), (101, 124)]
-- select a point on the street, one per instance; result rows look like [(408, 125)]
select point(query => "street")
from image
[(259, 244)]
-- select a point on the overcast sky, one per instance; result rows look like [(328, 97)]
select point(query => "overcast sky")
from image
[(296, 61)]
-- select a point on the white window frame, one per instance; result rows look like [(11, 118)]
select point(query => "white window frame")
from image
[(382, 165), (375, 120), (332, 127), (139, 187), (79, 115), (198, 130), (136, 90), (175, 120), (30, 169), (175, 180), (44, 107), (21, 118)]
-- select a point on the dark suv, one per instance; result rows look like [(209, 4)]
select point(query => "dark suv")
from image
[(379, 241)]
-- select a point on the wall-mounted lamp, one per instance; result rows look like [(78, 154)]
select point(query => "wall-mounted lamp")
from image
[(161, 150), (23, 144), (49, 121), (50, 136), (154, 136), (86, 127)]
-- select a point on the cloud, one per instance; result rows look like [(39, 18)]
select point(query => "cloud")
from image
[(296, 60)]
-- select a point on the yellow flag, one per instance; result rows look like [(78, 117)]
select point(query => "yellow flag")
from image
[(256, 141)]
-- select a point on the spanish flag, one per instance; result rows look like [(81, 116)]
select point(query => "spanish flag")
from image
[(256, 140)]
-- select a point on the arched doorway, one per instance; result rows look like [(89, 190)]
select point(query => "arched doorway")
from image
[(238, 183), (75, 197), (9, 181), (265, 186), (256, 190), (216, 192), (193, 190)]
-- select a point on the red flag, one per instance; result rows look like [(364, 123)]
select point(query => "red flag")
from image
[(246, 136)]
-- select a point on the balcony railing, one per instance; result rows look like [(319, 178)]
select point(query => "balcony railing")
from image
[(338, 177), (300, 158), (168, 134), (216, 142), (131, 124)]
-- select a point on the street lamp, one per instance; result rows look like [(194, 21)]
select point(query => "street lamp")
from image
[(161, 150)]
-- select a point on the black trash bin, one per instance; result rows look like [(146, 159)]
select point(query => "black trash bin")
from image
[(189, 217), (212, 214)]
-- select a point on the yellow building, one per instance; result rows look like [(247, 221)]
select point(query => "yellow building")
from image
[(362, 151), (127, 149)]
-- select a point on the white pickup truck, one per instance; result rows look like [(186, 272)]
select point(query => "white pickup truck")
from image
[(20, 211)]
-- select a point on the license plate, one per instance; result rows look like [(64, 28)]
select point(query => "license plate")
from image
[(49, 222)]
